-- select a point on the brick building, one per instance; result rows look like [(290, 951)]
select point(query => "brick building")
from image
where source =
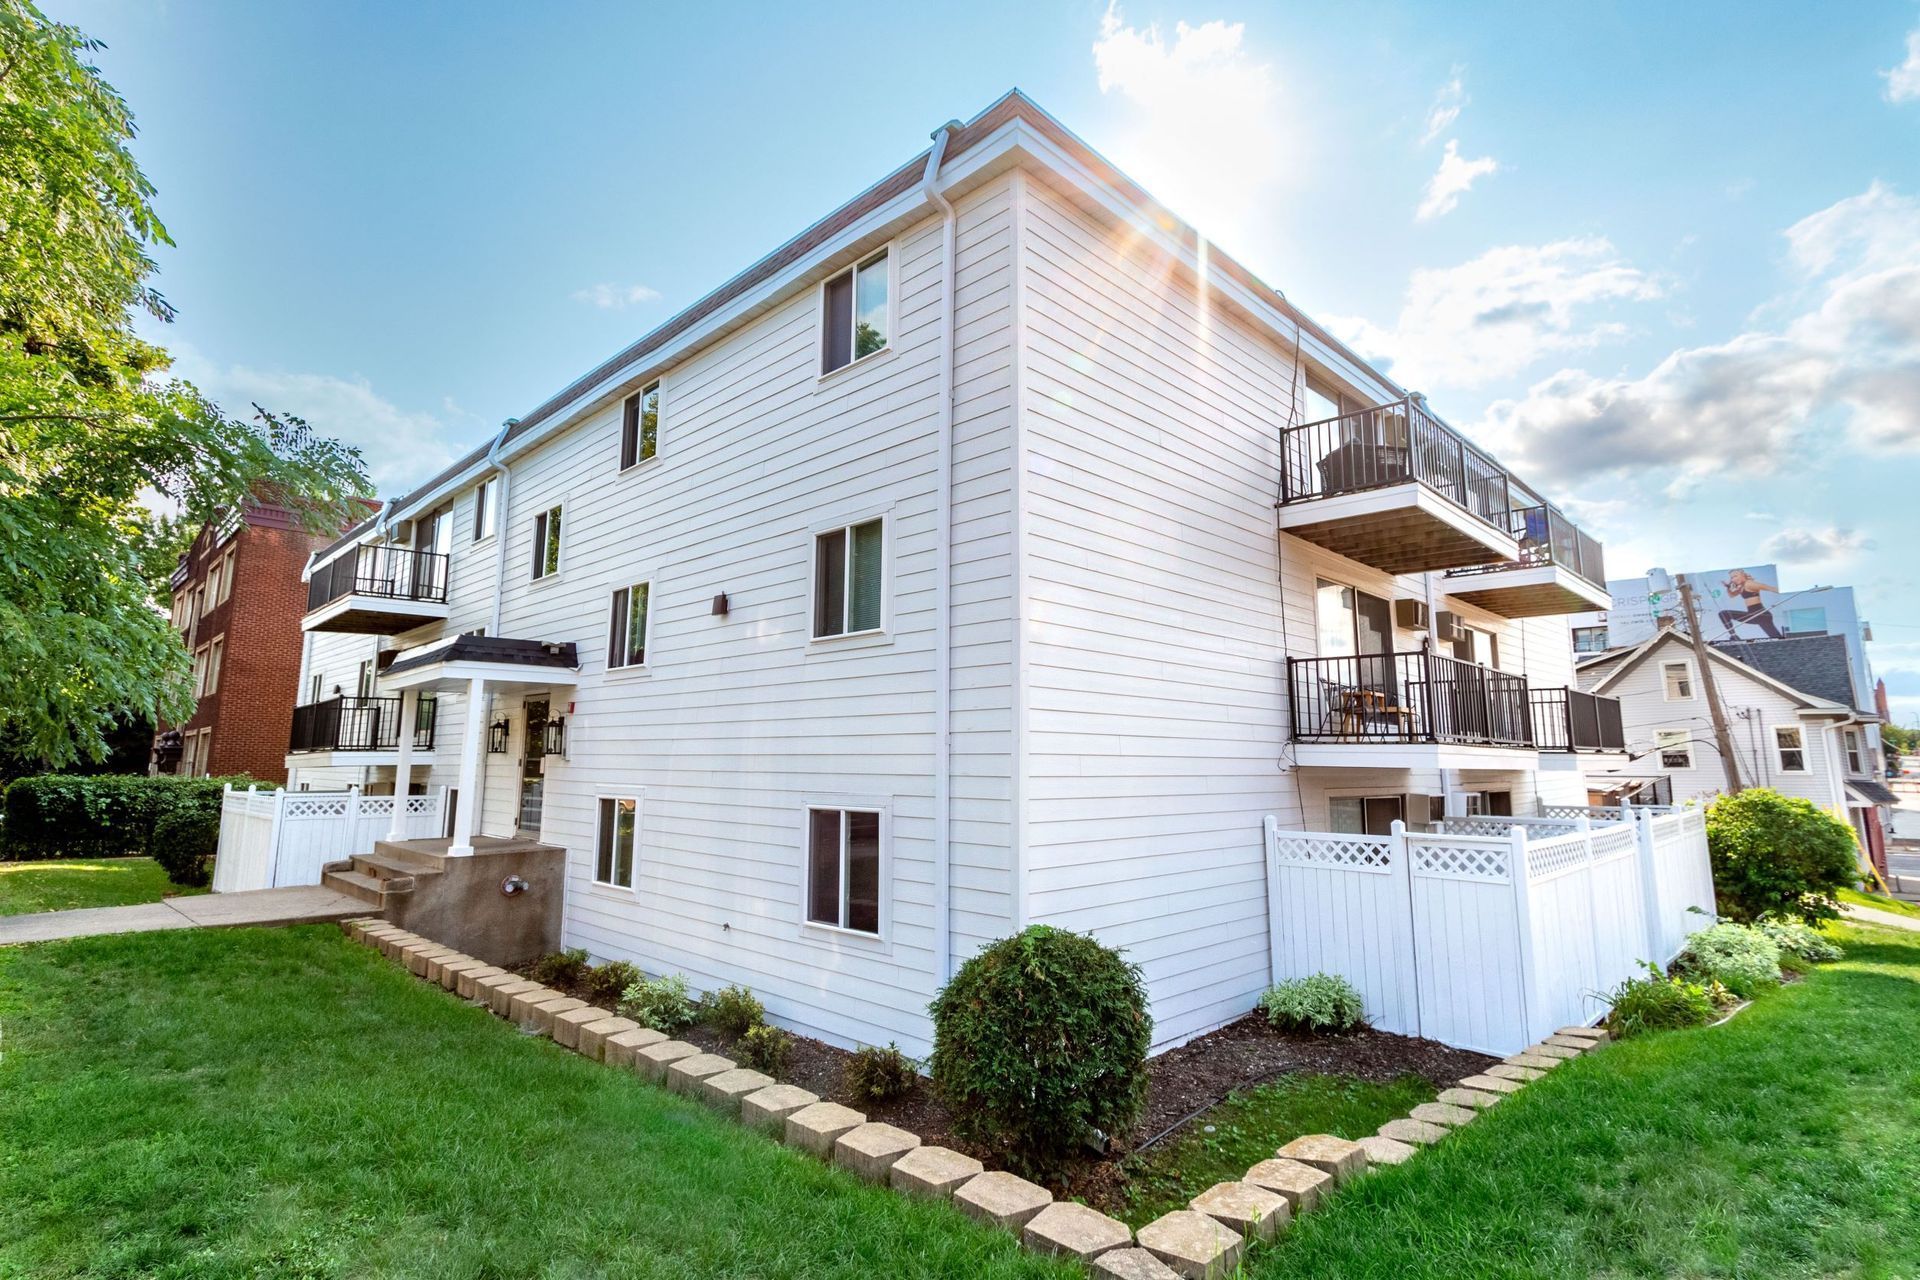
[(237, 601)]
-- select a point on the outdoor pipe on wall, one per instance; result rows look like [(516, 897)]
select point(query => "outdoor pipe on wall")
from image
[(943, 583)]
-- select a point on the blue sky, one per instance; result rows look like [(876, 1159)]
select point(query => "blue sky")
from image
[(1664, 259)]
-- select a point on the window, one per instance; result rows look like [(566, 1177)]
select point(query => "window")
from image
[(627, 630), (843, 869), (215, 652), (1677, 679), (1496, 804), (435, 533), (1320, 403), (1792, 747), (1364, 815), (640, 426), (1351, 622), (1589, 639), (613, 861), (213, 582), (1476, 645), (313, 688), (1676, 748), (483, 496), (1803, 621), (363, 681), (849, 578), (546, 543), (1854, 761), (854, 320)]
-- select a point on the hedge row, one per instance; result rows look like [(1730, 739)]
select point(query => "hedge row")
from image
[(175, 821)]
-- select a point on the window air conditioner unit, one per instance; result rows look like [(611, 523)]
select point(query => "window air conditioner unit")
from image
[(1446, 627), (402, 532), (1410, 615)]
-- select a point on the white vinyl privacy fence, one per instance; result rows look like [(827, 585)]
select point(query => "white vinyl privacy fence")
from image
[(270, 839), (1493, 932)]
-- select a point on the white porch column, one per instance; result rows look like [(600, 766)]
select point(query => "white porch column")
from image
[(403, 763), (470, 746)]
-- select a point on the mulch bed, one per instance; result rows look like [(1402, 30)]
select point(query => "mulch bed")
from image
[(1182, 1083)]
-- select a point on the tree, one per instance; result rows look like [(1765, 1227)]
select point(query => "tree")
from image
[(1900, 741), (1776, 855), (95, 438)]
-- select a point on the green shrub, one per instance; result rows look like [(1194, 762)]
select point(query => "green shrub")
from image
[(562, 969), (880, 1075), (185, 836), (660, 1003), (1317, 1002), (764, 1048), (1657, 1003), (1799, 940), (1776, 855), (733, 1011), (104, 815), (1742, 958), (1038, 1039), (605, 984)]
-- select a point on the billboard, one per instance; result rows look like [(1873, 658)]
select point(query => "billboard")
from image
[(1734, 604)]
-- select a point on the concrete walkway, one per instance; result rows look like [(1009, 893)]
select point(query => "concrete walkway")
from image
[(1885, 919), (303, 905)]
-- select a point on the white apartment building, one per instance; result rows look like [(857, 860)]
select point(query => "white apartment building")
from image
[(994, 552)]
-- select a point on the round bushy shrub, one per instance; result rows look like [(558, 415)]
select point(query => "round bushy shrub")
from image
[(605, 984), (1776, 855), (659, 1003), (1657, 1003), (1743, 959), (185, 837), (1802, 941), (880, 1075), (1038, 1039), (562, 969), (1317, 1002), (733, 1011), (764, 1048)]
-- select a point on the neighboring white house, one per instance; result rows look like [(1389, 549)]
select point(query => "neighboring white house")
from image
[(994, 552), (1789, 715)]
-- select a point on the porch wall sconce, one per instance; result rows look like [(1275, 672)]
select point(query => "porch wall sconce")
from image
[(720, 605), (497, 738), (554, 740)]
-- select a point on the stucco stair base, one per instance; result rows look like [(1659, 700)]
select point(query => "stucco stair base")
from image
[(458, 902)]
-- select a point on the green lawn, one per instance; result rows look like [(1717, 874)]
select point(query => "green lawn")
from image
[(247, 1102), (1879, 902), (1244, 1130), (82, 882), (1785, 1143)]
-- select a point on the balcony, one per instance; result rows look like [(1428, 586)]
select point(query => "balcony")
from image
[(362, 730), (1567, 720), (377, 590), (1559, 570), (1395, 488), (1409, 711)]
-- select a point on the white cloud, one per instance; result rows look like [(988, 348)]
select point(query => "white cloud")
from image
[(1446, 107), (1452, 180), (614, 297), (1903, 81), (1204, 131), (1846, 358), (1491, 317), (1815, 546)]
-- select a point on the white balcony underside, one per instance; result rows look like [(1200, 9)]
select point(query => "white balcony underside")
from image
[(1412, 755), (388, 758), (375, 615)]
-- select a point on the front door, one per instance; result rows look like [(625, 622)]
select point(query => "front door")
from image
[(532, 781)]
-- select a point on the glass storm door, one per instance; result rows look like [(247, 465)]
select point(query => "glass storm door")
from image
[(532, 781)]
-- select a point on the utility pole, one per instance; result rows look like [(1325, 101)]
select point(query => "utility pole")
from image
[(1703, 651)]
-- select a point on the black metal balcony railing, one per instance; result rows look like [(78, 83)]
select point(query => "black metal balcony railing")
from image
[(358, 724), (391, 573), (1388, 445), (1569, 720), (1547, 537), (1407, 697)]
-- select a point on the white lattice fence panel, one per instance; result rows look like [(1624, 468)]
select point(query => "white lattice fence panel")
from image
[(312, 829), (1557, 855)]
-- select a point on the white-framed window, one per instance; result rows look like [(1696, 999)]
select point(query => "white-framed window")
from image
[(843, 868), (484, 494), (1676, 679), (213, 582), (640, 426), (1675, 747), (435, 532), (1477, 645), (856, 320), (1589, 639), (1790, 742), (363, 679), (1365, 815), (617, 841), (215, 652), (225, 570), (200, 672), (627, 627), (1856, 760), (850, 579), (546, 543), (313, 688)]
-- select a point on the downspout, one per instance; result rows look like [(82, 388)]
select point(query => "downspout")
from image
[(499, 522), (943, 582)]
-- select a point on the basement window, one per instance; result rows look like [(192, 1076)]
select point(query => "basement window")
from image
[(619, 826), (843, 869)]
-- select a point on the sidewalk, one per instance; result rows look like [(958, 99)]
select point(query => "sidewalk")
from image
[(302, 905), (1885, 919)]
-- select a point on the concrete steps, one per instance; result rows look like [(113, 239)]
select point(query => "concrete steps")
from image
[(368, 889)]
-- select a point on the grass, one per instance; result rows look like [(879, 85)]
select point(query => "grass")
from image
[(237, 1103), (1224, 1143), (1780, 1144), (1879, 902), (82, 882)]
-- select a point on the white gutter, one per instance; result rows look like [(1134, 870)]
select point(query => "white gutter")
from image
[(499, 522), (943, 582)]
